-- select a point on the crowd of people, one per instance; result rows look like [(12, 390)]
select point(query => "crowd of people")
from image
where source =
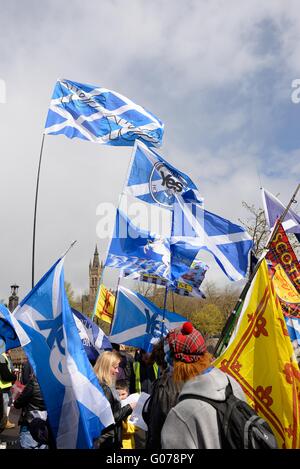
[(178, 366)]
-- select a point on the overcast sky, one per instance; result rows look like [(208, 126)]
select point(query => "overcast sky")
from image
[(217, 73)]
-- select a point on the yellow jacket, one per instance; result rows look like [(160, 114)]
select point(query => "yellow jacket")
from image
[(128, 430)]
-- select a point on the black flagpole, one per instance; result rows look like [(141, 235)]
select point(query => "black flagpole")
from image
[(35, 210)]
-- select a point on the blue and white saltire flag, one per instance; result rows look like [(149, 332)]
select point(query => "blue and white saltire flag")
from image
[(135, 249), (92, 336), (76, 405), (153, 180), (195, 228), (100, 115), (8, 336), (274, 209), (293, 327), (142, 325)]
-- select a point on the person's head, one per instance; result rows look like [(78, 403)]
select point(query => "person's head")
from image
[(122, 388), (106, 367), (115, 346), (188, 352), (158, 354), (146, 357)]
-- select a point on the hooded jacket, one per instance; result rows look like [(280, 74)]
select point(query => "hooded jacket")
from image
[(192, 423)]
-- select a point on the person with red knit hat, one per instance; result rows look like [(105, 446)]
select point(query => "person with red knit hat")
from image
[(192, 423)]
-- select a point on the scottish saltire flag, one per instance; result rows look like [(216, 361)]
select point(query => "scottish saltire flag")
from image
[(195, 228), (77, 408), (100, 115), (8, 336), (138, 250), (153, 180), (92, 336), (274, 209), (142, 325), (133, 248)]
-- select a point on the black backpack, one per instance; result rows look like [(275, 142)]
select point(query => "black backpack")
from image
[(239, 425)]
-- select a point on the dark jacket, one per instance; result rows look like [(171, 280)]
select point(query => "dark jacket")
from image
[(30, 399), (2, 417), (164, 396), (26, 373), (126, 370), (5, 373), (111, 437)]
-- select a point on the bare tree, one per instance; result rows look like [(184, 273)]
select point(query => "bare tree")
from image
[(257, 227)]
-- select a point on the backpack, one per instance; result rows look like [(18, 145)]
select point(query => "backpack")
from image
[(239, 425), (39, 431)]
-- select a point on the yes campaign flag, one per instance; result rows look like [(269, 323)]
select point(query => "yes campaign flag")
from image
[(96, 114), (153, 180), (139, 322), (92, 336), (77, 408), (8, 336)]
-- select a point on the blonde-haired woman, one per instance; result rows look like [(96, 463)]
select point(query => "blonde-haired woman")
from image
[(106, 369)]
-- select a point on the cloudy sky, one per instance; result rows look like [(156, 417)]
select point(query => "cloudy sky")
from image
[(218, 73)]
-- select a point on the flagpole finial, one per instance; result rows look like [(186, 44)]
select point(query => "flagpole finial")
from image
[(70, 247)]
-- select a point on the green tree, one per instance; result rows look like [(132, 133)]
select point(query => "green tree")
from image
[(209, 320)]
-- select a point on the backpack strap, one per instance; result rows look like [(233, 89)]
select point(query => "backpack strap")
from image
[(223, 409)]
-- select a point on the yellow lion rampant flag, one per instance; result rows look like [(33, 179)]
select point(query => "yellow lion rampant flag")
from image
[(260, 357), (105, 303)]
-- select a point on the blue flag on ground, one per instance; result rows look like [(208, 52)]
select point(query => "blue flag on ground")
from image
[(100, 115), (153, 180), (195, 228), (77, 408), (92, 336), (8, 336), (141, 326)]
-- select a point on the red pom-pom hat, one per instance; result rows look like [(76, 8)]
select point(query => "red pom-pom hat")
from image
[(186, 343)]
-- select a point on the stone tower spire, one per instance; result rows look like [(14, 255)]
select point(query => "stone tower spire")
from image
[(13, 300), (95, 270), (96, 258)]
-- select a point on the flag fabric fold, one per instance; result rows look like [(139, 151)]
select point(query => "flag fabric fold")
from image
[(261, 358), (274, 209), (77, 409), (186, 285), (100, 115), (92, 336), (8, 336), (284, 269), (133, 249), (139, 322)]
